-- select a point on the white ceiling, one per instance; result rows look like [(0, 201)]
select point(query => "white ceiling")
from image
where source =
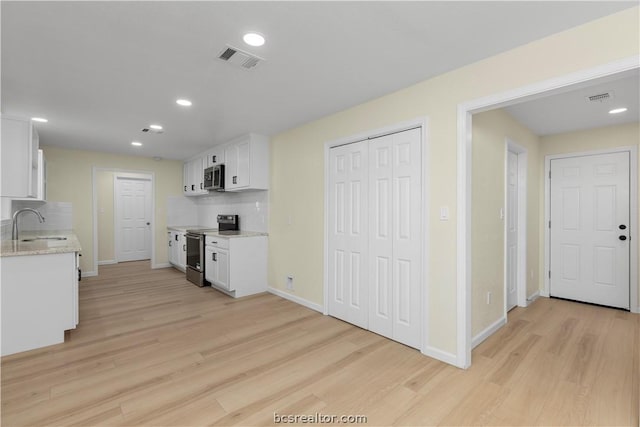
[(101, 71), (570, 110)]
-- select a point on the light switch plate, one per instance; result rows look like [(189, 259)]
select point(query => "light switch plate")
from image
[(444, 213)]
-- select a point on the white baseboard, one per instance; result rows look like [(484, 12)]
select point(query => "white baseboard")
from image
[(543, 293), (531, 298), (440, 355), (107, 262), (635, 310), (89, 273), (296, 299), (488, 331), (161, 265)]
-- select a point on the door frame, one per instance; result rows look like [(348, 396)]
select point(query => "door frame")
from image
[(422, 123), (633, 219), (94, 178), (465, 111), (521, 280), (116, 205)]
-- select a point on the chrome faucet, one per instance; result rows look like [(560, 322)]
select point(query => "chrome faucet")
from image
[(14, 233)]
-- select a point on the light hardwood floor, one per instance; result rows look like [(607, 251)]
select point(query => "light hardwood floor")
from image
[(153, 349)]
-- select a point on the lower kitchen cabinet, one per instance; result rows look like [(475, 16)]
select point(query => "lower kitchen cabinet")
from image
[(39, 300), (236, 266), (177, 249)]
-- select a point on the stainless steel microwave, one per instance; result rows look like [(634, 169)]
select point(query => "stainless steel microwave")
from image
[(214, 178)]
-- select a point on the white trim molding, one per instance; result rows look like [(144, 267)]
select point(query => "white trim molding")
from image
[(107, 262), (160, 265), (294, 298), (465, 111), (488, 331), (531, 298), (443, 356)]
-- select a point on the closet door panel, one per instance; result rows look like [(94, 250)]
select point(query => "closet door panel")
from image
[(406, 238), (380, 236), (348, 229)]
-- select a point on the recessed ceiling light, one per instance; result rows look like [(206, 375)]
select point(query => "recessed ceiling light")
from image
[(136, 144), (155, 127), (253, 39), (617, 110), (184, 102), (39, 119)]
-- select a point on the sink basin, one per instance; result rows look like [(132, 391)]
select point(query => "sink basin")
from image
[(33, 239)]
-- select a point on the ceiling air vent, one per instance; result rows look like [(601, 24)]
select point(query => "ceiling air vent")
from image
[(240, 58), (600, 97)]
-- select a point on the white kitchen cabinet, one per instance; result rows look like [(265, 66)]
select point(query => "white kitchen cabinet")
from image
[(19, 158), (247, 163), (215, 156), (177, 249), (236, 266), (193, 177), (217, 266), (39, 300)]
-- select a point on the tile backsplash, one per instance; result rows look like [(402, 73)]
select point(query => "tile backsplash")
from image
[(57, 216), (182, 210), (251, 206)]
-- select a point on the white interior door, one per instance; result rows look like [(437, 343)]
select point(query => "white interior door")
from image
[(347, 228), (133, 219), (512, 230), (589, 247)]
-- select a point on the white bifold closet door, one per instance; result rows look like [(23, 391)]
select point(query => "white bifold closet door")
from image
[(375, 235)]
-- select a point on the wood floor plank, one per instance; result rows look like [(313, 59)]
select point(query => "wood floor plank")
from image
[(153, 349)]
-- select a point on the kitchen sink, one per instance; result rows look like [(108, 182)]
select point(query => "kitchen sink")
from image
[(33, 239)]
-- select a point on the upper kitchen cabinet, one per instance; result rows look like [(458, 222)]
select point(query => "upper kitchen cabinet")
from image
[(19, 154), (215, 156), (247, 163), (193, 176)]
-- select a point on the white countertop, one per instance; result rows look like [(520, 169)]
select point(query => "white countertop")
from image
[(40, 246), (240, 234), (213, 232)]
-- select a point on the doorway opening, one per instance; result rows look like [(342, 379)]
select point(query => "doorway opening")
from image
[(106, 242), (465, 303)]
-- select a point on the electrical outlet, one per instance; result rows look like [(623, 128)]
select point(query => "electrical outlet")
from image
[(488, 297), (289, 283)]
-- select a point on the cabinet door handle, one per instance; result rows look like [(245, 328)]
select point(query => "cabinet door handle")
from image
[(185, 188), (169, 242), (235, 179), (176, 237), (214, 256), (184, 248), (213, 159), (201, 186), (193, 187)]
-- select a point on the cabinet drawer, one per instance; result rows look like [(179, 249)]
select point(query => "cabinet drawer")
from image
[(219, 242)]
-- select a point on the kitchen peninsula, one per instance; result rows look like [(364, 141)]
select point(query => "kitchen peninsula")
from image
[(39, 289)]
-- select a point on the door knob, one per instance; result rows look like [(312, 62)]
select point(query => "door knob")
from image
[(148, 223), (622, 237), (622, 227)]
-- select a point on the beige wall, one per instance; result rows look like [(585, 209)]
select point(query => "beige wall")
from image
[(589, 140), (106, 242), (487, 228), (297, 165), (69, 179)]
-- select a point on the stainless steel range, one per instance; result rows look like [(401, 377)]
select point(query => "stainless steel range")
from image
[(227, 224), (195, 255)]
